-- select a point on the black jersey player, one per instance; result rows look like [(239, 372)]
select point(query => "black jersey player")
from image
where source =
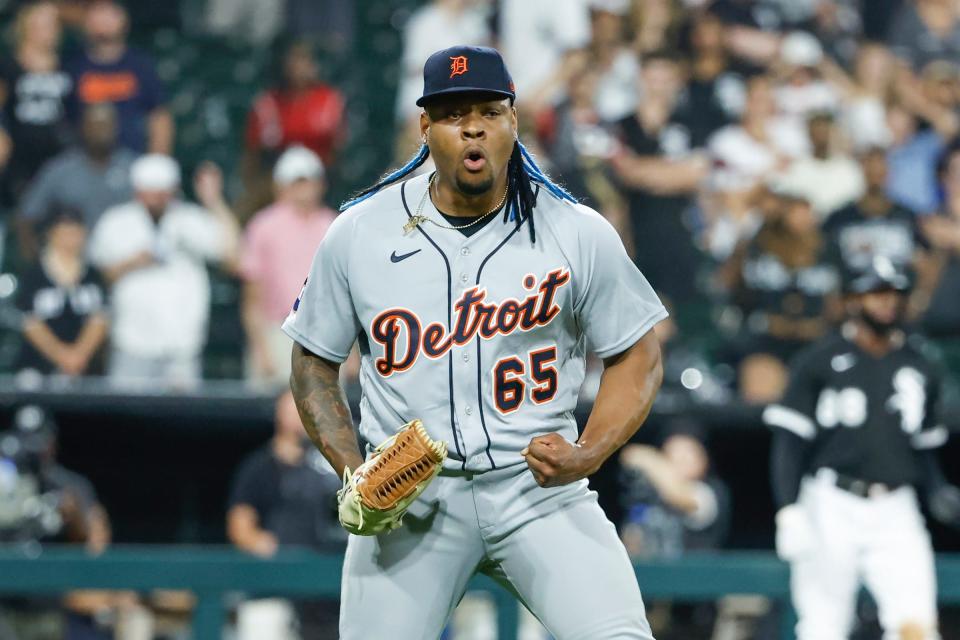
[(854, 443)]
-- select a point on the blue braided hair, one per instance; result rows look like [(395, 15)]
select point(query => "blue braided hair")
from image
[(522, 172)]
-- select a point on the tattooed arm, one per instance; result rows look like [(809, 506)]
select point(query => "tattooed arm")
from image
[(323, 409)]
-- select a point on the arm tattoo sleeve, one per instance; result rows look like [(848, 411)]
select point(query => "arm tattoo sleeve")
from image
[(323, 409)]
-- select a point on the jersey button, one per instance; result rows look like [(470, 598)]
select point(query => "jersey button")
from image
[(466, 357), (465, 251), (463, 278), (468, 410)]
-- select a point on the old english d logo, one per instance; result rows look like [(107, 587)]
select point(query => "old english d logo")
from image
[(458, 65)]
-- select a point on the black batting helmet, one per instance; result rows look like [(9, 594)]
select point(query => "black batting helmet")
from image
[(880, 275)]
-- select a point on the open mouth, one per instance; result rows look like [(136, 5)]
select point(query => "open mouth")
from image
[(474, 160)]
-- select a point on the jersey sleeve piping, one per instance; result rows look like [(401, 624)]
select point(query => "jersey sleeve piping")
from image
[(633, 337), (777, 415)]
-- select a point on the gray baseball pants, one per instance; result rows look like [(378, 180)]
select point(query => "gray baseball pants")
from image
[(553, 548)]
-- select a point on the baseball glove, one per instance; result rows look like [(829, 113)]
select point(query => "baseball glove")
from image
[(375, 497)]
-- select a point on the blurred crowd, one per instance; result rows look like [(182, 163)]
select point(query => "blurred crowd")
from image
[(753, 154), (111, 258), (750, 152)]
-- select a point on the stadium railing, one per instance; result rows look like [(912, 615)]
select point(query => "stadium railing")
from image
[(213, 572)]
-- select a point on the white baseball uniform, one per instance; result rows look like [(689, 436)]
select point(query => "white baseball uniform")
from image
[(864, 418), (484, 339)]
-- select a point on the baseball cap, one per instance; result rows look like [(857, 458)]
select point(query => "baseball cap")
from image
[(155, 172), (462, 69), (800, 49), (297, 163), (880, 275)]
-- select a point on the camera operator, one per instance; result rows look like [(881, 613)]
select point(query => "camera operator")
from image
[(41, 502)]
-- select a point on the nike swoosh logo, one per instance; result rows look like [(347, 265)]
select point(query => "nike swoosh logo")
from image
[(395, 258)]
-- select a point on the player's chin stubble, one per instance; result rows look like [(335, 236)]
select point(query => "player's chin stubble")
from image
[(474, 188)]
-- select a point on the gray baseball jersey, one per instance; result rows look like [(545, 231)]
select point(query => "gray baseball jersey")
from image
[(481, 337)]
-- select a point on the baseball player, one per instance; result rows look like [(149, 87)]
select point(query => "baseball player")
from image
[(473, 292), (856, 437)]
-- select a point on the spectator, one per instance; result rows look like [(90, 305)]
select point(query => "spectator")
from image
[(535, 36), (299, 110), (329, 23), (579, 146), (58, 507), (865, 95), (912, 158), (802, 91), (839, 26), (874, 225), (941, 317), (660, 168), (153, 251), (91, 177), (828, 179), (255, 22), (611, 58), (110, 71), (926, 30), (746, 156), (436, 25), (937, 98), (786, 288), (674, 502), (656, 26), (278, 248), (284, 496), (570, 131), (63, 303), (33, 92), (752, 28), (717, 83)]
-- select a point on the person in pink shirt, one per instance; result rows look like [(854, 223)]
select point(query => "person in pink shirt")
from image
[(278, 248)]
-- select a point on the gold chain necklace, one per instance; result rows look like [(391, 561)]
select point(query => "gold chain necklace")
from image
[(419, 218)]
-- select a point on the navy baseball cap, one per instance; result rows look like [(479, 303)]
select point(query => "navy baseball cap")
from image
[(461, 69)]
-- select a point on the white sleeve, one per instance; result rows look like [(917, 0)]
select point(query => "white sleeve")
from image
[(615, 305), (323, 319), (100, 251), (570, 22), (201, 233)]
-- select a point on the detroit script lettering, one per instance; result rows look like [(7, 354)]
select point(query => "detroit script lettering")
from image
[(472, 317)]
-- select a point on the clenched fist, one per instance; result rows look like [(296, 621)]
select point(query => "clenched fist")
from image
[(555, 461)]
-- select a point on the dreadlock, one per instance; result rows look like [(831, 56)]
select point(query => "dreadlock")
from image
[(522, 172)]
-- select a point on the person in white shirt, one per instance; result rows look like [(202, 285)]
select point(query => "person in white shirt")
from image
[(828, 179), (535, 35), (745, 157), (437, 25), (153, 251), (802, 91)]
